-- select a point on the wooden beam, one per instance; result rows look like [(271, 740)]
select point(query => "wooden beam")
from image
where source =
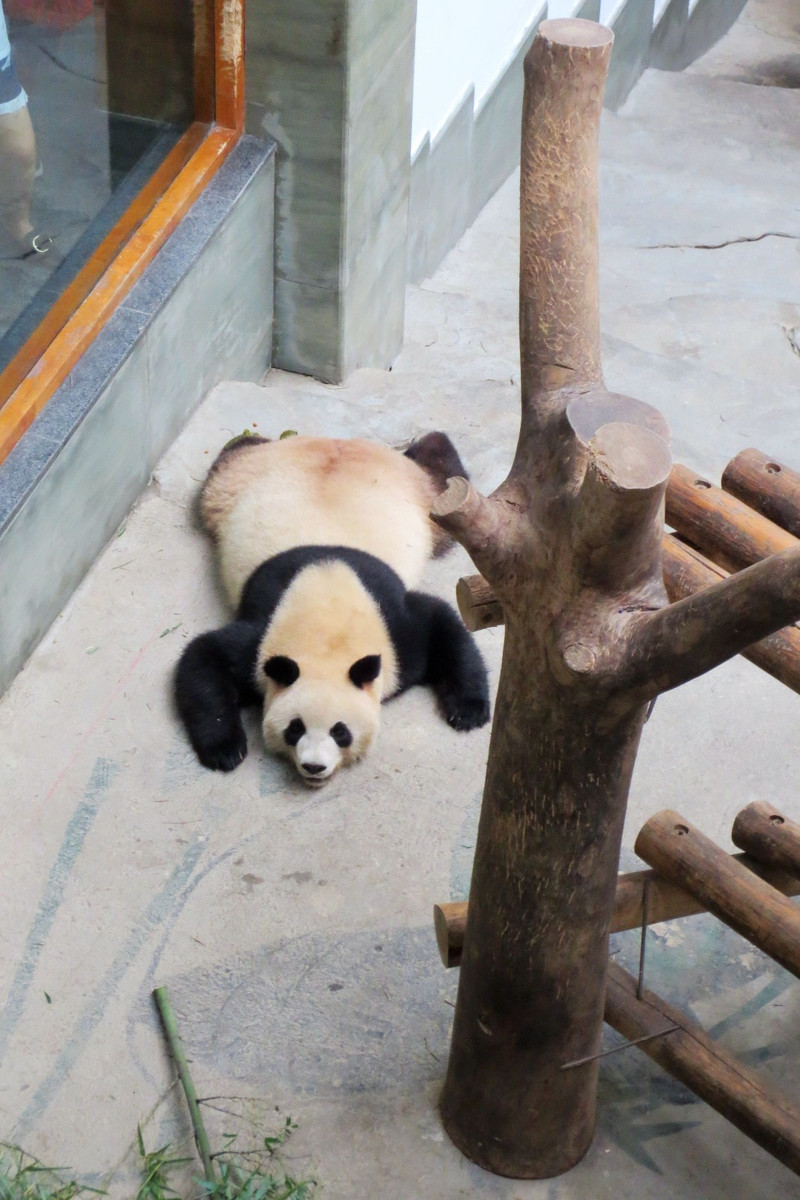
[(205, 66), (666, 901), (767, 834), (728, 531), (681, 853), (767, 486), (712, 1073), (229, 43)]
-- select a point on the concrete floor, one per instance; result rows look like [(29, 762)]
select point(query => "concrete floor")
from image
[(294, 929)]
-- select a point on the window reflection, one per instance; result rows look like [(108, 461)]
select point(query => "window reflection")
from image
[(94, 95)]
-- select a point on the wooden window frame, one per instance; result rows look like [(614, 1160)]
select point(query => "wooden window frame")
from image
[(51, 352)]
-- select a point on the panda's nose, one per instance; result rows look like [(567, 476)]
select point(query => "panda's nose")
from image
[(313, 768)]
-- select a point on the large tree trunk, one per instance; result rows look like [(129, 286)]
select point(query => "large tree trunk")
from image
[(571, 545)]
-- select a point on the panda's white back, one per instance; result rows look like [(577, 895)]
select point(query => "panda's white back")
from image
[(269, 497)]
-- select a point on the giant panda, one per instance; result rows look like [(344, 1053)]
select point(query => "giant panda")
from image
[(320, 544)]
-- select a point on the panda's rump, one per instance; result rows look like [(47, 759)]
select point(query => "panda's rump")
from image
[(273, 496)]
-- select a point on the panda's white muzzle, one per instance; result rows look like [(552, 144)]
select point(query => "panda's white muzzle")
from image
[(316, 757)]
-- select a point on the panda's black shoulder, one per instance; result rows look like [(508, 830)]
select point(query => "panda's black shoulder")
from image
[(265, 587)]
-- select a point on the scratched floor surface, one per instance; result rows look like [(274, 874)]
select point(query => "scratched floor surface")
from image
[(293, 928)]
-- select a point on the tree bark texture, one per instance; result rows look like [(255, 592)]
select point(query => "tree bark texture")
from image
[(577, 526), (565, 75), (570, 544), (686, 572)]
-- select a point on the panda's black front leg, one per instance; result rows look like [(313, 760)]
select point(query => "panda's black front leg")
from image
[(454, 669), (213, 680)]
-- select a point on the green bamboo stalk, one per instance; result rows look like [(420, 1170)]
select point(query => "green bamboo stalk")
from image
[(171, 1030)]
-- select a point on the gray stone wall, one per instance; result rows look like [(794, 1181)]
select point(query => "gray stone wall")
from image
[(331, 81)]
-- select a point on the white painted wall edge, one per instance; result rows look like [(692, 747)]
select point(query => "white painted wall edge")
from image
[(463, 44)]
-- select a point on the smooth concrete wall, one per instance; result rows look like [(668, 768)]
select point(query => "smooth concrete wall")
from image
[(453, 175), (633, 29), (461, 45), (331, 81), (680, 36), (200, 313)]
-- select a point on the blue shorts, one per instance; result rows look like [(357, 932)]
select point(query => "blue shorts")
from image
[(12, 93)]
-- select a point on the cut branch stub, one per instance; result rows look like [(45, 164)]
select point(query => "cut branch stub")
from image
[(553, 445), (487, 528), (686, 571), (565, 72), (620, 512), (590, 410)]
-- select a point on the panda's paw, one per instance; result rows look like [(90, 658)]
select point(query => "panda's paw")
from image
[(466, 711), (224, 754)]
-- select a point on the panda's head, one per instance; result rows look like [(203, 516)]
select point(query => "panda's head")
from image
[(321, 724)]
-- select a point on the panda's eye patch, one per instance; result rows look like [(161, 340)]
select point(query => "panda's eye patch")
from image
[(293, 731), (341, 735)]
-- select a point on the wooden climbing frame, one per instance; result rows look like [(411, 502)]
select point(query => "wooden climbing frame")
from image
[(571, 545), (716, 531)]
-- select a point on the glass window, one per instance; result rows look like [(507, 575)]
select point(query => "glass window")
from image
[(101, 104)]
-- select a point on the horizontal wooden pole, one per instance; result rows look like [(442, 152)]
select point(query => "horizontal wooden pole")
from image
[(665, 902), (769, 487), (768, 835), (712, 1073), (728, 531), (731, 532), (682, 854)]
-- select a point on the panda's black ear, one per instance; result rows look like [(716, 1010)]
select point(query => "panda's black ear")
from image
[(282, 670), (366, 670)]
